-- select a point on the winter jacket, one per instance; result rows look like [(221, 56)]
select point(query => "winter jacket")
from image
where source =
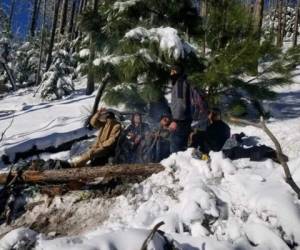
[(217, 134), (108, 135), (180, 100), (138, 131)]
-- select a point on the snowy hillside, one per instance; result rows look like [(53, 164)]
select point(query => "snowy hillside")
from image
[(216, 205)]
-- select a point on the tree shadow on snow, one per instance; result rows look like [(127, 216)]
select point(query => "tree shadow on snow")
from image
[(285, 106)]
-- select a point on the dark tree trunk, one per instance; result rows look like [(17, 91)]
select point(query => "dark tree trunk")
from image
[(91, 76), (38, 74), (9, 75), (204, 11), (71, 24), (64, 17), (54, 24), (11, 13), (258, 17), (34, 18), (279, 29), (284, 21), (296, 24)]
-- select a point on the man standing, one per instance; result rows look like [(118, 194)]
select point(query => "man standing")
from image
[(109, 132), (181, 110)]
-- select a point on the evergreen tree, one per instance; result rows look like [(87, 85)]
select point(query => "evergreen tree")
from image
[(137, 43)]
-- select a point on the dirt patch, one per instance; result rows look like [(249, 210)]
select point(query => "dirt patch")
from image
[(72, 213)]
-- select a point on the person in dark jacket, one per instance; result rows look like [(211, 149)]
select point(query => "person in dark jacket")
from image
[(180, 127), (217, 132), (135, 134), (215, 135)]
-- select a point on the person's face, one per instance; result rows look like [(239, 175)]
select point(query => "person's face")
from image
[(137, 119), (103, 118), (173, 72), (213, 117), (165, 121)]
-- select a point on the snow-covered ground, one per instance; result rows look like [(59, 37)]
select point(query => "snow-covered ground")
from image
[(216, 205), (30, 122)]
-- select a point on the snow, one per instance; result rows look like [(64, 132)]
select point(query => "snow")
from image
[(122, 6), (220, 204), (167, 38), (84, 53), (40, 124)]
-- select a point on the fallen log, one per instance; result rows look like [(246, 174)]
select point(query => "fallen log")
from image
[(84, 174)]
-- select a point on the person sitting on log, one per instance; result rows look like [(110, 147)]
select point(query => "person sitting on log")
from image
[(104, 148), (135, 134)]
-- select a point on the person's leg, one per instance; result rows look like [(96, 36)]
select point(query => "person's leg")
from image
[(80, 161), (179, 138)]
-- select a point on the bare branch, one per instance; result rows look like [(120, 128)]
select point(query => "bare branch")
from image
[(151, 235), (5, 130), (279, 153)]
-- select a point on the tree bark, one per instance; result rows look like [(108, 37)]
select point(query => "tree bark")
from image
[(262, 125), (64, 13), (204, 11), (91, 76), (71, 23), (296, 24), (84, 174), (9, 75), (279, 29), (258, 17), (34, 18), (284, 21), (54, 24), (38, 73), (11, 13)]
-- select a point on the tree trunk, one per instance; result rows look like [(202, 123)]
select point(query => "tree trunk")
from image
[(38, 74), (81, 6), (54, 24), (11, 13), (91, 76), (279, 29), (284, 21), (296, 24), (71, 24), (98, 97), (9, 75), (258, 17), (34, 18), (204, 11), (64, 13), (84, 174)]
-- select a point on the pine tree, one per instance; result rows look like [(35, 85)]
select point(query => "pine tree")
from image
[(137, 46), (296, 24)]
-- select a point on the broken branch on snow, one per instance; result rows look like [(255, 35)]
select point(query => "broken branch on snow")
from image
[(279, 153)]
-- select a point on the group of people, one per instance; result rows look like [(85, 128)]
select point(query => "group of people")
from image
[(139, 144)]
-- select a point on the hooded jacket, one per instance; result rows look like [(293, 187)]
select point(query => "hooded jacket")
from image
[(108, 135), (180, 99)]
